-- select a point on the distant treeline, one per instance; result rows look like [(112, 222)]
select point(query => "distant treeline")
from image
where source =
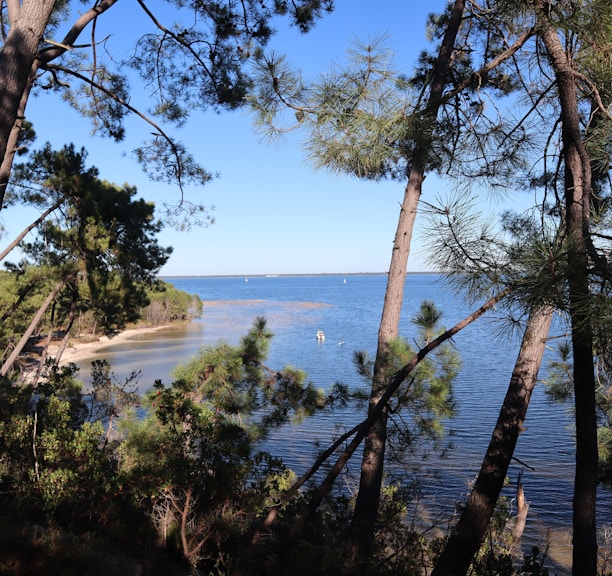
[(167, 304)]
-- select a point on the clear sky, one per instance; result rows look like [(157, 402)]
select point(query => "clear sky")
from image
[(274, 213)]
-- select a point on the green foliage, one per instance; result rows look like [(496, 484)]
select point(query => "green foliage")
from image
[(193, 74), (560, 380), (72, 468), (52, 457), (523, 252), (368, 119), (235, 382), (491, 564), (358, 118), (50, 174), (102, 245), (401, 546), (533, 563), (195, 453), (167, 304), (190, 466), (108, 399), (22, 290), (197, 59), (501, 564)]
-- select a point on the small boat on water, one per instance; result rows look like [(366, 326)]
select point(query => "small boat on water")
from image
[(320, 335)]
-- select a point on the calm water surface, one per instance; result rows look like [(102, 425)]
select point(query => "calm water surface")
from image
[(348, 309)]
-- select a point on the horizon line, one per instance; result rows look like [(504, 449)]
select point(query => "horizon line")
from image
[(271, 275)]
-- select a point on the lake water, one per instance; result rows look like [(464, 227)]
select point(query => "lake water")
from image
[(348, 310)]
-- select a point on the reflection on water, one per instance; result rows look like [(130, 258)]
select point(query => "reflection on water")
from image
[(154, 354)]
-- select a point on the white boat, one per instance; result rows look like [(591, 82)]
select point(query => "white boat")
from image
[(320, 335)]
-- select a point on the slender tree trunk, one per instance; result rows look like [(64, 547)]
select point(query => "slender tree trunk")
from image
[(467, 536), (372, 467), (584, 556), (577, 214), (522, 509), (70, 323), (43, 354), (33, 225), (28, 23), (33, 324), (21, 296)]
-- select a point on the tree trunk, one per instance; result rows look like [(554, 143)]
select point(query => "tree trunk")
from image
[(43, 354), (19, 61), (467, 536), (577, 214), (28, 23), (368, 498), (31, 226), (522, 509), (6, 165), (71, 316), (372, 466), (33, 324), (21, 296)]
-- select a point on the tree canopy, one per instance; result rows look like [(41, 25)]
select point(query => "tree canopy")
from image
[(197, 59)]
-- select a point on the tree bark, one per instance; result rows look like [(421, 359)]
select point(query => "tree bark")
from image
[(19, 60), (467, 536), (372, 467), (6, 165), (578, 191), (27, 26)]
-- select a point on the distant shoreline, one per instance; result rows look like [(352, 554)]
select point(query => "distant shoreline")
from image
[(296, 275)]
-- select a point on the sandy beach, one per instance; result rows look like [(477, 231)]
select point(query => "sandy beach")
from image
[(78, 350)]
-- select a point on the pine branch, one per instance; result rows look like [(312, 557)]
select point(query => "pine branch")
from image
[(112, 95), (594, 93), (360, 431), (179, 40), (59, 48), (477, 76)]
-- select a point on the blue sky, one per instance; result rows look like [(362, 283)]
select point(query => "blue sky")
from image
[(274, 213)]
